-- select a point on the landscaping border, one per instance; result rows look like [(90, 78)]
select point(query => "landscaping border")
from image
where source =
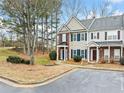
[(48, 80), (15, 83)]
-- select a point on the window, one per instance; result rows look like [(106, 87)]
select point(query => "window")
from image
[(82, 37), (105, 35), (63, 37), (97, 35), (118, 35), (82, 54), (116, 53), (78, 52), (74, 53), (74, 37), (78, 37), (91, 35)]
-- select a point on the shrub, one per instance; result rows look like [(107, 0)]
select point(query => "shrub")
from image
[(77, 58), (122, 60), (17, 60), (53, 55)]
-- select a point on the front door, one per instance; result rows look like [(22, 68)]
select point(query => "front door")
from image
[(94, 54), (62, 54)]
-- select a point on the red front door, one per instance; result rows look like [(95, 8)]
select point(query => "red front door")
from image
[(94, 54)]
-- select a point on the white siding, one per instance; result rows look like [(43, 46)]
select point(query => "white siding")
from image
[(74, 25)]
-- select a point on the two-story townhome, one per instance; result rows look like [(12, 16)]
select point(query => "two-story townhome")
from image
[(92, 39)]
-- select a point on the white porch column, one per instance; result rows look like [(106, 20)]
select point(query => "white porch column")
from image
[(64, 54), (57, 54), (108, 54), (121, 51), (88, 54), (97, 54)]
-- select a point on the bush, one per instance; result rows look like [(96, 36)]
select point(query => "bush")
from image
[(77, 58), (53, 55), (122, 60), (17, 60)]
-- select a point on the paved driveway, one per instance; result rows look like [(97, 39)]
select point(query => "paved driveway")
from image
[(80, 81)]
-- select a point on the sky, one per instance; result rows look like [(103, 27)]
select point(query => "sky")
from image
[(117, 6)]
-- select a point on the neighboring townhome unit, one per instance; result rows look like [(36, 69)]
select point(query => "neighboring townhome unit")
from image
[(92, 39)]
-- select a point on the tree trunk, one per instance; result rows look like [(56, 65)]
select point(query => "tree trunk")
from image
[(47, 40)]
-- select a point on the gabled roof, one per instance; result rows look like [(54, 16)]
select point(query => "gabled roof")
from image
[(105, 23)]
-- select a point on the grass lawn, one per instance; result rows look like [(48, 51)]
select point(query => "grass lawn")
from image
[(5, 52), (42, 60), (26, 74)]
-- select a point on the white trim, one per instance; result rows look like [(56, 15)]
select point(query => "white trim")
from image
[(97, 54), (68, 30), (62, 46), (108, 54), (92, 42), (121, 51)]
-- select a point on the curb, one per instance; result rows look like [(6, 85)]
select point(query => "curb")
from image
[(35, 84), (97, 68), (101, 68)]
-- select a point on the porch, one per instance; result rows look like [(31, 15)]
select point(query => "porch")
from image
[(105, 51), (62, 52)]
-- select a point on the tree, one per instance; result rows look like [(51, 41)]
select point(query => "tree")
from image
[(25, 15), (2, 35)]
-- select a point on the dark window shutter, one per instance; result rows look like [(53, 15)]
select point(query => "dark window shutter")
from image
[(118, 34), (60, 38), (71, 37), (86, 53), (105, 35), (85, 36), (98, 35), (91, 35), (78, 52), (78, 37)]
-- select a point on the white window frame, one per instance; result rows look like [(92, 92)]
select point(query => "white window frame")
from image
[(63, 37), (74, 36), (82, 53), (82, 38), (74, 53), (116, 53)]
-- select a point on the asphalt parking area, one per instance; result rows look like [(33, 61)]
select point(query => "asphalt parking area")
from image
[(80, 81)]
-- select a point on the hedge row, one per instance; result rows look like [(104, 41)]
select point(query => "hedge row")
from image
[(17, 60)]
